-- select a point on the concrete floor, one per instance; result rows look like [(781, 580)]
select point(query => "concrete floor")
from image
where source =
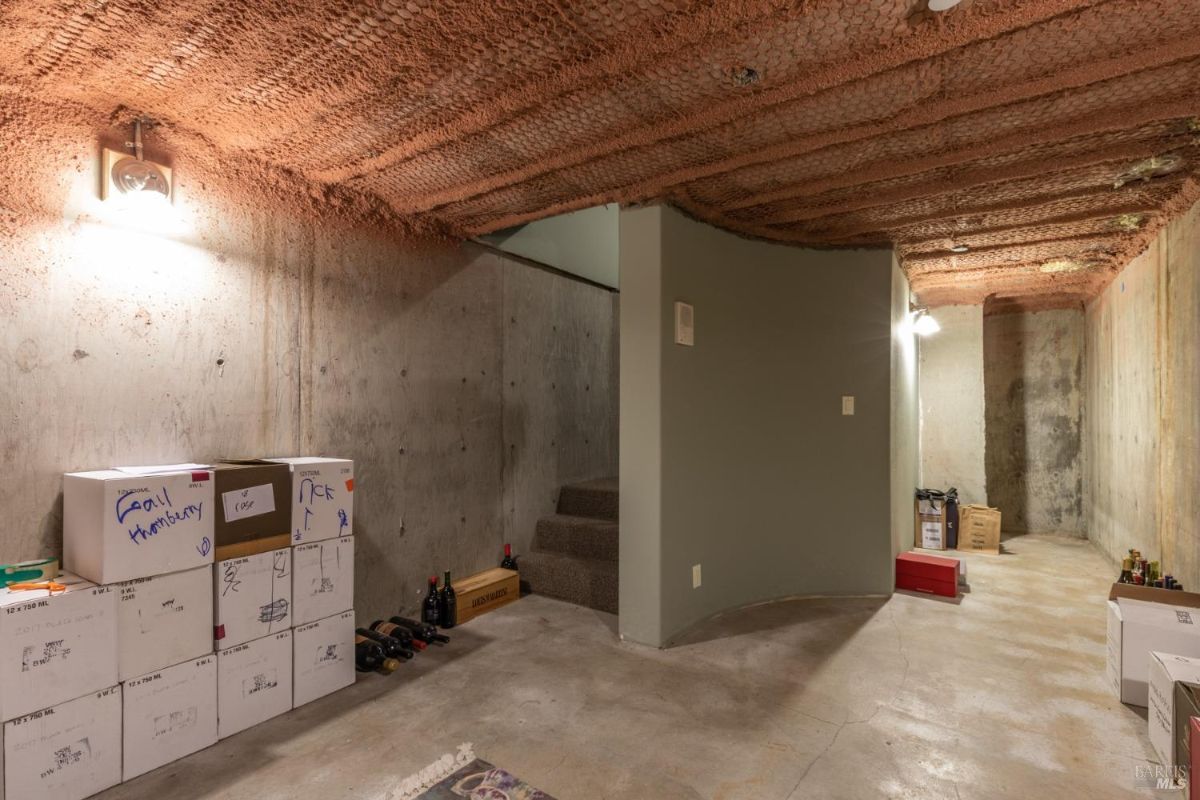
[(1001, 695)]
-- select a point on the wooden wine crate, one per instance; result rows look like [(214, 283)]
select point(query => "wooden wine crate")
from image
[(485, 591)]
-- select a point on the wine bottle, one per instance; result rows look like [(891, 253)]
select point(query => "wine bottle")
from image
[(509, 562), (399, 633), (421, 631), (369, 657), (431, 609), (391, 647), (449, 604)]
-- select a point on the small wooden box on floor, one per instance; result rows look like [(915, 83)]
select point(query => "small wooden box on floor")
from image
[(486, 591), (918, 572)]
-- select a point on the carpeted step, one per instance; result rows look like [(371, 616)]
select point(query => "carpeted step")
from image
[(583, 537), (597, 499), (582, 581)]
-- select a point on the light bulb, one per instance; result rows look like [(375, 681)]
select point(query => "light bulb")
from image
[(925, 325)]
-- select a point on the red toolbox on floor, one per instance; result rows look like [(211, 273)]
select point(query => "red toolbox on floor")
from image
[(919, 572)]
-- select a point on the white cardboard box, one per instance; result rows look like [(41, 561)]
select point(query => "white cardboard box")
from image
[(322, 579), (164, 620), (323, 657), (322, 498), (253, 597), (254, 683), (132, 522), (169, 714), (54, 648), (1165, 669), (1138, 626), (67, 752)]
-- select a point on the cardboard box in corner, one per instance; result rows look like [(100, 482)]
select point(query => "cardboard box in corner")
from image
[(979, 529), (1142, 619)]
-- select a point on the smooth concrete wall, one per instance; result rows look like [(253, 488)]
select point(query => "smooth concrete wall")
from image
[(952, 404), (466, 386), (905, 422), (764, 483), (1034, 395), (1142, 430)]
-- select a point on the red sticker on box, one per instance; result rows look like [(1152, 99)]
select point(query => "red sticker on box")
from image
[(218, 632), (199, 476), (350, 484)]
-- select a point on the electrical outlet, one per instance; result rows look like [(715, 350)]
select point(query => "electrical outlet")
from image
[(847, 405), (695, 576), (685, 325)]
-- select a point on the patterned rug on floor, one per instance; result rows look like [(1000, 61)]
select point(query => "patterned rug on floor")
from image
[(453, 777)]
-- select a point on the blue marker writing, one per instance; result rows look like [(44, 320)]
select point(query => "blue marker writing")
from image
[(147, 504)]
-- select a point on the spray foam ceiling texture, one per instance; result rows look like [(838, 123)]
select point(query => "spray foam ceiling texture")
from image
[(1050, 138)]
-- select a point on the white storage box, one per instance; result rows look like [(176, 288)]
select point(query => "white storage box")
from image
[(54, 648), (1141, 620), (322, 497), (1164, 671), (254, 683), (322, 579), (67, 752), (169, 714), (164, 620), (323, 657), (253, 597), (135, 522)]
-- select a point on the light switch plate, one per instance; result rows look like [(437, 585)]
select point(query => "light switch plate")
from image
[(685, 325), (695, 576), (848, 405)]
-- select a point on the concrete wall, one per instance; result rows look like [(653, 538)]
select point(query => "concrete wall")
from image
[(763, 482), (1034, 386), (905, 422), (952, 405), (1143, 406), (466, 386)]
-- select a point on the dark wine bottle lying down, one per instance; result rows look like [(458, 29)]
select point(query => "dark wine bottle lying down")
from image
[(369, 657), (421, 631), (398, 632), (391, 647)]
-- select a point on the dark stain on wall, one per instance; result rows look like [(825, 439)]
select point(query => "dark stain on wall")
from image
[(1033, 378)]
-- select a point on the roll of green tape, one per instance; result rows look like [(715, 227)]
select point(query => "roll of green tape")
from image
[(43, 569)]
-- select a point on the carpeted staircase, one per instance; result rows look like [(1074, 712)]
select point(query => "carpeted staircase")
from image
[(574, 556)]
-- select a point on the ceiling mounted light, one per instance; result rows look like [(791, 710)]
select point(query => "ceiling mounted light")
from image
[(942, 5), (1153, 167), (923, 323), (960, 248), (133, 176)]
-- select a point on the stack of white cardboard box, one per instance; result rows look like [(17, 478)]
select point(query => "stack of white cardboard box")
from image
[(153, 651), (1154, 662)]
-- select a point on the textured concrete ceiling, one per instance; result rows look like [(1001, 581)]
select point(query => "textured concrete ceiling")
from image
[(1001, 125)]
